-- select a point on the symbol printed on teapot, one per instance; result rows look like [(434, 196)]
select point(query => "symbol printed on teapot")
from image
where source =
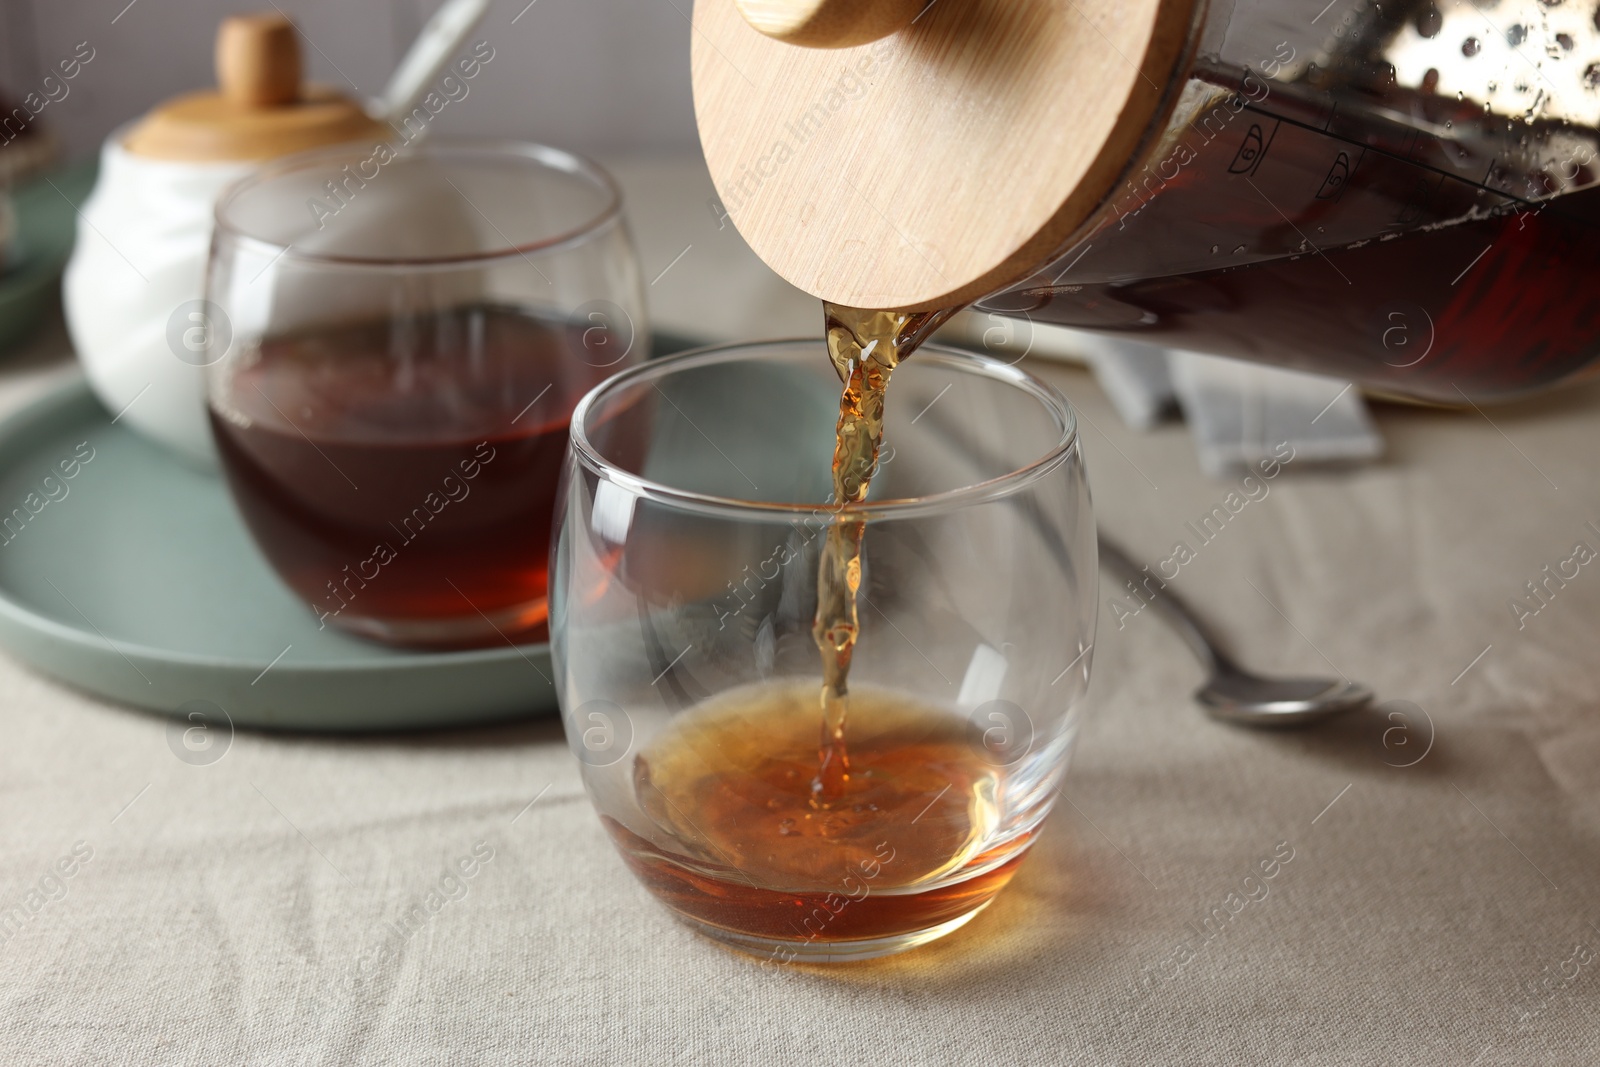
[(1422, 196), (1338, 175), (1253, 150)]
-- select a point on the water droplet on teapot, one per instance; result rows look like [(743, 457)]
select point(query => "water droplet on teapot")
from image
[(1239, 250), (1516, 34), (1214, 249), (1470, 46), (1591, 76)]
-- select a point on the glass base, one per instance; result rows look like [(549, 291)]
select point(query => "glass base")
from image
[(519, 624), (778, 951), (827, 926)]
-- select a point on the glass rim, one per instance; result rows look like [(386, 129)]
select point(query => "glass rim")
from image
[(544, 157), (990, 489)]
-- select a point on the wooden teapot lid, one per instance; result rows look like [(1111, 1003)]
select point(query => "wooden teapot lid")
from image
[(260, 111), (943, 159)]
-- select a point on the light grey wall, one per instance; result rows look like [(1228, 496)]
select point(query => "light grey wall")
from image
[(599, 76)]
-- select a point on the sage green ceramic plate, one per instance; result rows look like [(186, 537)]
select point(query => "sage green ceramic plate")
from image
[(46, 222), (135, 580)]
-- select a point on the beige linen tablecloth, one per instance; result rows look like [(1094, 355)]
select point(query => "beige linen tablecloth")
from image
[(1441, 912)]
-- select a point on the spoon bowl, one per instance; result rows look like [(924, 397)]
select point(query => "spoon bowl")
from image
[(1267, 703)]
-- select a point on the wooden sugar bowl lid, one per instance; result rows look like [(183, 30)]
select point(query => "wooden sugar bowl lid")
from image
[(903, 155), (260, 110)]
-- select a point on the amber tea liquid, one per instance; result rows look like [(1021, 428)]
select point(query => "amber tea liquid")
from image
[(400, 475), (1407, 262), (900, 851), (833, 823)]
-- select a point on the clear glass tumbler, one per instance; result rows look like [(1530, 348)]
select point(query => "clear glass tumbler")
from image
[(683, 591), (396, 344)]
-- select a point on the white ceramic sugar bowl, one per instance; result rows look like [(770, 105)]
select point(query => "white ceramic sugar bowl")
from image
[(134, 285)]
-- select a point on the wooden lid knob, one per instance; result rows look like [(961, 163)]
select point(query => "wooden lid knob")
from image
[(942, 163), (260, 109), (829, 23), (258, 60)]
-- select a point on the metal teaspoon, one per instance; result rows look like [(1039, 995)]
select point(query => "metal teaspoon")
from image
[(1232, 694)]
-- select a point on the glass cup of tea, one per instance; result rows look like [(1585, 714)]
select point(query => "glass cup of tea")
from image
[(696, 502), (398, 341)]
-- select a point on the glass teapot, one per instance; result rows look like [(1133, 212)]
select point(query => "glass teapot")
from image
[(1400, 193)]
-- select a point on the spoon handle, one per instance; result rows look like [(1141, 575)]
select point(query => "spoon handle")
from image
[(1170, 606), (428, 54)]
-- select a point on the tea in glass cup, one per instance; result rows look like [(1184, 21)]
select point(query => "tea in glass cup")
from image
[(408, 341), (698, 505)]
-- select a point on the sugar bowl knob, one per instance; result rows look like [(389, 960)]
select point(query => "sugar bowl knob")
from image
[(258, 60)]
